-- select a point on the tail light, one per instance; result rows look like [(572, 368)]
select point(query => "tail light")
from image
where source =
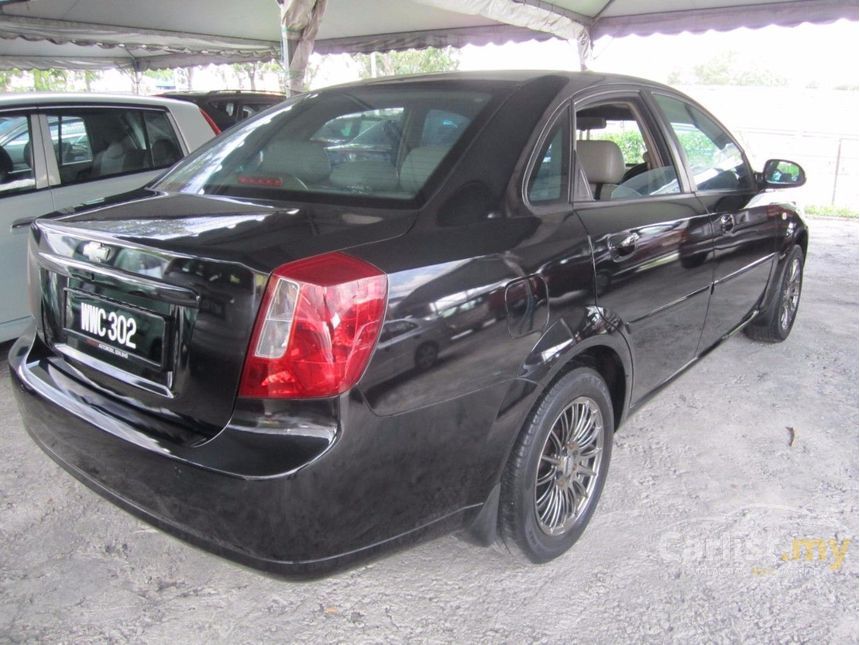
[(316, 329), (210, 121)]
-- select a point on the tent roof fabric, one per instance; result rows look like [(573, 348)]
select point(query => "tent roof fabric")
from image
[(89, 34)]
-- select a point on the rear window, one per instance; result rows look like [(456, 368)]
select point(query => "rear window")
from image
[(367, 142)]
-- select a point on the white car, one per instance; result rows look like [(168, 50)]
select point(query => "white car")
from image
[(61, 150)]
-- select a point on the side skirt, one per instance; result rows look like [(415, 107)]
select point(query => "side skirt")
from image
[(746, 321)]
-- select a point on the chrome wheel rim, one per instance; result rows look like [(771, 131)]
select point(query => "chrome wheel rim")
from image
[(790, 295), (567, 470)]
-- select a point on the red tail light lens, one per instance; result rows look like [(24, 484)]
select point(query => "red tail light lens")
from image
[(210, 121), (317, 328)]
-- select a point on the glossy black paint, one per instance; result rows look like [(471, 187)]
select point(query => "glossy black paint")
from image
[(510, 295)]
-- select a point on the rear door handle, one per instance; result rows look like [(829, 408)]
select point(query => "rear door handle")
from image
[(22, 222), (622, 247), (727, 223)]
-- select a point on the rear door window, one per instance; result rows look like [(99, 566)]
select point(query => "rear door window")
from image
[(95, 143), (620, 157), (16, 155)]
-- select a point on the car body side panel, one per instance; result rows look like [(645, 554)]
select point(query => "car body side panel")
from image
[(660, 290), (744, 257), (192, 129), (14, 304)]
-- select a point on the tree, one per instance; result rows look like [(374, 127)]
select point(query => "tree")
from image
[(134, 76), (49, 80), (249, 70), (412, 61), (727, 68), (164, 78), (89, 77), (6, 79)]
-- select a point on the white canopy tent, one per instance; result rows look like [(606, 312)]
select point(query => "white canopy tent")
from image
[(93, 34)]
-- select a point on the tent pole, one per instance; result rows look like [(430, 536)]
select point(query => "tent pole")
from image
[(300, 23), (584, 48)]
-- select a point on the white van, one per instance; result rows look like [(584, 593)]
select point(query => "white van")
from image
[(61, 150)]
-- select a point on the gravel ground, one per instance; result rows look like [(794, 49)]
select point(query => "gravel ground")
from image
[(694, 539)]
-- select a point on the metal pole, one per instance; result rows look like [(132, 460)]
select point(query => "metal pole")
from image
[(836, 172)]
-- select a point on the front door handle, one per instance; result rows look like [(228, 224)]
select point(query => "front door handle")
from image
[(623, 247), (727, 223)]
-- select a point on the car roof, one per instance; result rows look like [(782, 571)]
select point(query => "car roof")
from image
[(61, 98), (224, 94), (578, 79)]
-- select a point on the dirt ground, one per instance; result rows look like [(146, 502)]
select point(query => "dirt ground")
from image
[(730, 515)]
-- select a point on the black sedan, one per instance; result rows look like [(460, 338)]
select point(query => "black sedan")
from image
[(206, 352)]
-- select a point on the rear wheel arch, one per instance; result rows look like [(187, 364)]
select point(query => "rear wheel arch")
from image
[(605, 361), (596, 353)]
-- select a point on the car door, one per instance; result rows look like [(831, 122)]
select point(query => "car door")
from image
[(651, 236), (101, 151), (745, 234), (24, 195)]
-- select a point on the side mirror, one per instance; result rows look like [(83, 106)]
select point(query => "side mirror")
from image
[(779, 173)]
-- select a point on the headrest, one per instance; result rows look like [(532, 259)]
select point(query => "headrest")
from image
[(6, 164), (419, 165), (302, 159), (164, 153), (602, 161), (590, 123), (366, 175)]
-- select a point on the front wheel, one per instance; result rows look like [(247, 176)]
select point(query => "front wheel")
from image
[(559, 464), (774, 323)]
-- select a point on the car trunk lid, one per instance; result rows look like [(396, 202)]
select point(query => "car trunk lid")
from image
[(153, 301)]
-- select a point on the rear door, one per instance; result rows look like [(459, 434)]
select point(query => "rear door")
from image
[(746, 234), (24, 195), (651, 236)]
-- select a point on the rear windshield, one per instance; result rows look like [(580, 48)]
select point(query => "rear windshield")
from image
[(375, 142)]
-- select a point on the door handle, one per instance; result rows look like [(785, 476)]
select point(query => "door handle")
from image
[(727, 223), (621, 248), (22, 222)]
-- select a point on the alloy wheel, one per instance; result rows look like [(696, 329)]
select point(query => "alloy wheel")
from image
[(567, 471), (790, 295)]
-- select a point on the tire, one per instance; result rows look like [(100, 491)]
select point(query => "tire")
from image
[(535, 521), (426, 355), (774, 323)]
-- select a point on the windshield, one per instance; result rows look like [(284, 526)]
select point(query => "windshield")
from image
[(371, 141)]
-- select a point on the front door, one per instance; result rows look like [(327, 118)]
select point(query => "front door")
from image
[(745, 233)]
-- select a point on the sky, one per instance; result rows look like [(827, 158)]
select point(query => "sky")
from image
[(826, 54)]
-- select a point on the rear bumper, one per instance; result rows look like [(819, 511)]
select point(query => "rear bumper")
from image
[(240, 495)]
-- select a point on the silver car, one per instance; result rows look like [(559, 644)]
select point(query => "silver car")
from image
[(58, 151)]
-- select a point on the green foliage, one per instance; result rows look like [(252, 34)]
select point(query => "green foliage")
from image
[(728, 68), (165, 75), (412, 61), (50, 80), (825, 210), (6, 79), (698, 148), (630, 142)]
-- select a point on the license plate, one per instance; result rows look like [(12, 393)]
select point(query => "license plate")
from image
[(124, 332)]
